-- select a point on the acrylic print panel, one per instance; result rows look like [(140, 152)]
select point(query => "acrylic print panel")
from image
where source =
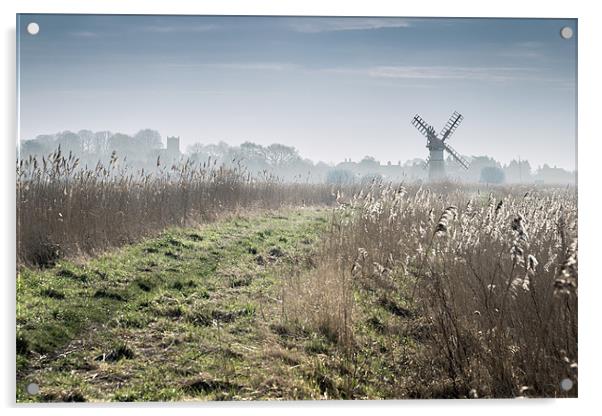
[(292, 208)]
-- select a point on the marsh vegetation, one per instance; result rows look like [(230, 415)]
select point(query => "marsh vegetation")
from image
[(206, 282)]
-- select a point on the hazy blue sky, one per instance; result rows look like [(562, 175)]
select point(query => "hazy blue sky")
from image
[(332, 87)]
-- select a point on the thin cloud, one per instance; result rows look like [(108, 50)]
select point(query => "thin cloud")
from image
[(90, 92), (251, 66), (530, 44), (256, 66), (154, 28), (528, 49), (451, 72), (84, 34), (183, 28), (432, 74), (517, 53), (325, 24)]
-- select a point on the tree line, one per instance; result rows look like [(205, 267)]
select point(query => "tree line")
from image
[(145, 149)]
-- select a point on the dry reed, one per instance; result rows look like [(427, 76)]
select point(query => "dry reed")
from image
[(496, 276), (64, 209)]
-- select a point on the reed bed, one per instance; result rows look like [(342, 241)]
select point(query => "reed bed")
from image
[(493, 276), (64, 209), (490, 276)]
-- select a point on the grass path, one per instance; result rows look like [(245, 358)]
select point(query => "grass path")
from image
[(190, 315)]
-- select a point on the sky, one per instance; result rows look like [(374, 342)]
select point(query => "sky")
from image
[(334, 88)]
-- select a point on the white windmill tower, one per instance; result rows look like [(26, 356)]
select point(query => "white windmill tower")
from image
[(436, 143)]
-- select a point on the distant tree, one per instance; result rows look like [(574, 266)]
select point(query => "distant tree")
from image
[(69, 142), (123, 144), (41, 145), (32, 147), (151, 139), (216, 151), (518, 172), (340, 177), (253, 155), (101, 143), (46, 139), (492, 174), (279, 154), (369, 162), (253, 150), (87, 139), (194, 149)]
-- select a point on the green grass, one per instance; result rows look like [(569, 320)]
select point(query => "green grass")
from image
[(190, 305), (194, 314)]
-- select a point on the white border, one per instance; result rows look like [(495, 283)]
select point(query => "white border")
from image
[(590, 210)]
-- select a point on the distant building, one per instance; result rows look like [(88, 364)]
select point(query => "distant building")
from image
[(169, 154), (173, 146)]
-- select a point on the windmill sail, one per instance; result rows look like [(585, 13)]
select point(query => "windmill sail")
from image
[(422, 126), (463, 162), (451, 125)]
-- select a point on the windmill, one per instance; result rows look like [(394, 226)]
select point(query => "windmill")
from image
[(436, 143)]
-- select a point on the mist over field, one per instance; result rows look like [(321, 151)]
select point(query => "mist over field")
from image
[(141, 151)]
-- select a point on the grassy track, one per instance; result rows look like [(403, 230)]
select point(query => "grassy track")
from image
[(197, 314), (184, 316)]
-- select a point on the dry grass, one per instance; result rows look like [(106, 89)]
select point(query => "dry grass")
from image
[(64, 209), (494, 275), (321, 301)]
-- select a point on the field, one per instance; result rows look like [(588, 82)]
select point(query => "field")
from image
[(203, 283)]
